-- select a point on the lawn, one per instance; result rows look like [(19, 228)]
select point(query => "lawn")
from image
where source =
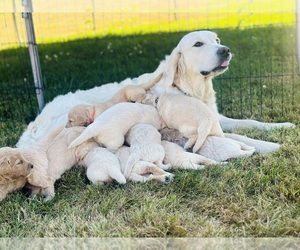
[(253, 197)]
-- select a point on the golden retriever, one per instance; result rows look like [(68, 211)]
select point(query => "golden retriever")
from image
[(83, 115), (14, 171), (110, 128), (145, 145), (189, 69), (142, 171), (50, 158), (104, 166), (190, 116), (215, 148)]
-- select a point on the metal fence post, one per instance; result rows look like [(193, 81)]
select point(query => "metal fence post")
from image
[(298, 32), (33, 53)]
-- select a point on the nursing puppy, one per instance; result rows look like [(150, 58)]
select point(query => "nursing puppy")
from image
[(83, 115), (103, 166), (190, 116), (215, 148), (142, 171), (14, 171), (145, 145), (111, 126), (52, 157)]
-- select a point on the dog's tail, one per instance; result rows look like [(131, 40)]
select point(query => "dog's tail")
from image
[(133, 158), (90, 132), (116, 174), (148, 85), (203, 131)]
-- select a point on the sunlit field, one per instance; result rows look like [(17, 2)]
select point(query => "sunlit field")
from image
[(65, 20)]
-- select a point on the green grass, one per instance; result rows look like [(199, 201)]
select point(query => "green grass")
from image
[(253, 197)]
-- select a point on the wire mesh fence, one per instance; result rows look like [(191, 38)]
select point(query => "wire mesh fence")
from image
[(83, 44)]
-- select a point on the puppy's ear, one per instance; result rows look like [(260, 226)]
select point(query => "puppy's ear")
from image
[(171, 66)]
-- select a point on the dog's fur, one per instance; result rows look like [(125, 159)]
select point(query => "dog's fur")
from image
[(142, 171), (52, 157), (83, 115), (14, 171), (110, 128), (103, 166), (145, 145), (189, 69), (215, 148), (190, 116)]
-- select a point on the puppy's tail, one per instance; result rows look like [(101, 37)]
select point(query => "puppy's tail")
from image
[(203, 131), (148, 85), (132, 159), (87, 134), (117, 175)]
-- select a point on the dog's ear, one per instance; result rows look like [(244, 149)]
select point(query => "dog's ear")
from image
[(171, 66)]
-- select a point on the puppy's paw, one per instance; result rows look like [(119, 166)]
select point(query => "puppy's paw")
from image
[(168, 178), (165, 166)]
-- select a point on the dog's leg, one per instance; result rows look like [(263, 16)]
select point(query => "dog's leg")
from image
[(152, 172), (229, 124), (164, 178), (48, 193), (137, 178), (262, 147), (179, 158)]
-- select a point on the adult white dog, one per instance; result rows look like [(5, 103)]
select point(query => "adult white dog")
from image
[(190, 68)]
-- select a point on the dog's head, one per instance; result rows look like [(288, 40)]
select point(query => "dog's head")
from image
[(13, 165), (199, 53), (80, 115)]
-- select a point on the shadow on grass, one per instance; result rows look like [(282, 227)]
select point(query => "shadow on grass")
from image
[(261, 81)]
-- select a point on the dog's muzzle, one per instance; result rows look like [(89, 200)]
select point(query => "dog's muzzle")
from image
[(225, 56)]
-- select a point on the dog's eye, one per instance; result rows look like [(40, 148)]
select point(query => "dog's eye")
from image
[(19, 162), (218, 41), (198, 44)]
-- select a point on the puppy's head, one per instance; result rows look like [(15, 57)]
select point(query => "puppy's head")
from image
[(198, 53), (151, 99), (80, 115), (13, 165)]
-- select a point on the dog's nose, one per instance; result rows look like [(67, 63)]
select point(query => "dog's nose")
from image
[(224, 52), (31, 166)]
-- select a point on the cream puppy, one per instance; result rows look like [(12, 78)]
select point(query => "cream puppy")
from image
[(103, 166), (190, 116), (215, 148), (145, 145), (83, 115), (142, 171), (52, 158), (111, 126), (15, 171), (181, 159)]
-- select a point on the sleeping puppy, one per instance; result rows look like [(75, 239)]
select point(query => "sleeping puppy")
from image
[(216, 148), (145, 145), (33, 174), (181, 159), (14, 171), (83, 115), (142, 171), (111, 126), (103, 166), (190, 116)]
